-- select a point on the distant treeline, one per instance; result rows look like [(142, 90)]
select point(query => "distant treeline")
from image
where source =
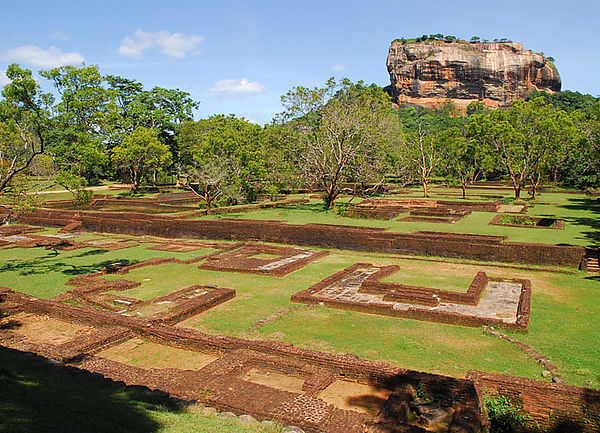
[(111, 128)]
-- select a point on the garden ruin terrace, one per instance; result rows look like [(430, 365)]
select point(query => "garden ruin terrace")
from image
[(340, 324)]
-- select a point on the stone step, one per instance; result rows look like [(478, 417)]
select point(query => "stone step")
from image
[(592, 261)]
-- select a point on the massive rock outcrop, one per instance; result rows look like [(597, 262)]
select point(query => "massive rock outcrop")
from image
[(430, 73)]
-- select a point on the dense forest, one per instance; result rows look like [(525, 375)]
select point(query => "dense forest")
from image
[(93, 128)]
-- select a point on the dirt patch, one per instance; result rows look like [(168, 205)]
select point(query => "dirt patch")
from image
[(274, 380), (511, 208), (44, 329), (146, 354), (150, 310), (356, 396)]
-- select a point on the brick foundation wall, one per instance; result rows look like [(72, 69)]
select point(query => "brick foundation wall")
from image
[(488, 248), (551, 405)]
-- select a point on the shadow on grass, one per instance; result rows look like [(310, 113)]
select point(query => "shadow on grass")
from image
[(592, 206), (38, 397), (49, 264)]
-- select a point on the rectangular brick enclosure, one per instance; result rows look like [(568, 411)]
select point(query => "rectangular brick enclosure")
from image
[(266, 379), (495, 301), (262, 259)]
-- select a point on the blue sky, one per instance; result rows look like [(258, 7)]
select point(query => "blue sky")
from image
[(239, 56)]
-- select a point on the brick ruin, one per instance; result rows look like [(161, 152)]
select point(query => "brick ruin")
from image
[(19, 236), (540, 223), (274, 380), (422, 243), (488, 301), (266, 379), (435, 211), (164, 203), (299, 380), (279, 262), (552, 406)]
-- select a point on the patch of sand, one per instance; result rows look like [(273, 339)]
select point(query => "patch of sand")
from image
[(43, 329), (274, 380), (145, 354), (355, 396)]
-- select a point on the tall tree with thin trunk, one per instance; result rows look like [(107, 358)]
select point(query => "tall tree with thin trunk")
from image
[(422, 155), (25, 123), (340, 133)]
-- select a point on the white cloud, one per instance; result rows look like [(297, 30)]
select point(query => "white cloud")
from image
[(60, 36), (3, 79), (339, 67), (53, 57), (237, 88), (174, 45)]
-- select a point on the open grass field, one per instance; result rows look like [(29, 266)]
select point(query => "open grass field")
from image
[(563, 319), (581, 215), (563, 322)]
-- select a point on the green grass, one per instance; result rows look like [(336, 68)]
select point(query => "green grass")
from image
[(581, 214), (563, 326), (43, 273), (412, 275), (37, 398)]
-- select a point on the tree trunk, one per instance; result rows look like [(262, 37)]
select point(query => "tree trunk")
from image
[(464, 191), (330, 196), (424, 188), (517, 192)]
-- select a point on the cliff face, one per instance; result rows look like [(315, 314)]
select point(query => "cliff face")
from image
[(430, 73)]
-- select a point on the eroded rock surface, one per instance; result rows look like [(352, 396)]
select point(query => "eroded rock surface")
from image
[(430, 73)]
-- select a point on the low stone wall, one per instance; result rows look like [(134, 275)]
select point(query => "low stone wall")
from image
[(418, 296), (373, 284), (552, 406), (286, 260), (188, 204), (456, 245)]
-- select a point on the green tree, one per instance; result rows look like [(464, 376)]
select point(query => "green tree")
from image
[(82, 119), (76, 185), (588, 151), (421, 154), (463, 159), (495, 131), (222, 156), (521, 137), (139, 154), (25, 123), (338, 137)]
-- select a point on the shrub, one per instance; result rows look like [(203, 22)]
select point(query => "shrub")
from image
[(505, 416), (519, 220)]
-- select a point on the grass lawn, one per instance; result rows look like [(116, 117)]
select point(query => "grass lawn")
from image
[(563, 326), (37, 399), (43, 273), (582, 216)]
